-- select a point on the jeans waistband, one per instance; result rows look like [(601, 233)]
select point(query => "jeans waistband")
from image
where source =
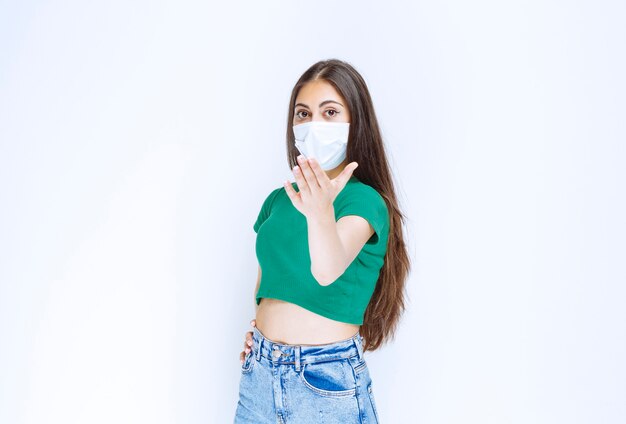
[(280, 353)]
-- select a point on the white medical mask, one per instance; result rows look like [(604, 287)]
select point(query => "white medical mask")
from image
[(327, 142)]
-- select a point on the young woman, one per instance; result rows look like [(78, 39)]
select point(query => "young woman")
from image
[(332, 262)]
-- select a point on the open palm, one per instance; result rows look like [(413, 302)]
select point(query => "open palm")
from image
[(317, 191)]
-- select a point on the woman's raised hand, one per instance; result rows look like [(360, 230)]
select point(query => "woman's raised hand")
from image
[(247, 344), (316, 192)]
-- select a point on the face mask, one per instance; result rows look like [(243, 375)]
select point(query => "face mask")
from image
[(325, 141)]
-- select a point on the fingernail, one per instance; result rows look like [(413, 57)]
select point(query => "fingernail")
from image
[(249, 342)]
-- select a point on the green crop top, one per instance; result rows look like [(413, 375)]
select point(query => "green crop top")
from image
[(283, 253)]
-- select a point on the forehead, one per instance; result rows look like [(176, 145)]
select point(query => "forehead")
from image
[(315, 92)]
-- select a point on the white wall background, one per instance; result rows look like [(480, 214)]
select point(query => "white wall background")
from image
[(138, 140)]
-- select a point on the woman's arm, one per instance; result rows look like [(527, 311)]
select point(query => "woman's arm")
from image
[(334, 245)]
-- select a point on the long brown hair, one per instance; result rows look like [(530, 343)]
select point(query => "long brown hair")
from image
[(365, 146)]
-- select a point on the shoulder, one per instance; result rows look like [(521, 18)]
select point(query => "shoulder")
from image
[(358, 198), (275, 192), (269, 199), (358, 191)]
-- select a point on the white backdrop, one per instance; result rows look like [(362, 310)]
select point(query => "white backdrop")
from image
[(138, 140)]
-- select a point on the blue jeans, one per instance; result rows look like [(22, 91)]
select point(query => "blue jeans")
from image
[(299, 384)]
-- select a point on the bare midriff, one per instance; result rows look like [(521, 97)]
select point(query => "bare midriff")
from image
[(288, 323)]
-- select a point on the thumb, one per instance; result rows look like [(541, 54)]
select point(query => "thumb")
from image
[(345, 175)]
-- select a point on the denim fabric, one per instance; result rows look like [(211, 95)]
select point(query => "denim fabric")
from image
[(300, 384)]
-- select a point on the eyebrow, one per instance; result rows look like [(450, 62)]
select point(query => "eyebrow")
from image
[(321, 104)]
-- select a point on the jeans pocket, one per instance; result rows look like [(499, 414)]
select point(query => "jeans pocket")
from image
[(370, 395), (330, 378), (248, 362)]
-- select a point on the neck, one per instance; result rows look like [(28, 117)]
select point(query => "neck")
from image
[(332, 173)]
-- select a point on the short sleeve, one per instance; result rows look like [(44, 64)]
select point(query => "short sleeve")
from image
[(266, 208), (367, 203)]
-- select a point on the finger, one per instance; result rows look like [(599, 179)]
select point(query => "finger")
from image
[(247, 346), (249, 340), (253, 323), (300, 181), (345, 175), (309, 175), (293, 195), (322, 178)]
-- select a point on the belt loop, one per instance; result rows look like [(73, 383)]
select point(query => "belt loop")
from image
[(359, 347), (258, 349), (297, 353)]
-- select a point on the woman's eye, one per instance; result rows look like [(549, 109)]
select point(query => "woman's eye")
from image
[(303, 113)]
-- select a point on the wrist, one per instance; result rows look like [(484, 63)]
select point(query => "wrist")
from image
[(322, 217)]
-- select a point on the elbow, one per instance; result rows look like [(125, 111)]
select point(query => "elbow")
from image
[(323, 279), (328, 274)]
